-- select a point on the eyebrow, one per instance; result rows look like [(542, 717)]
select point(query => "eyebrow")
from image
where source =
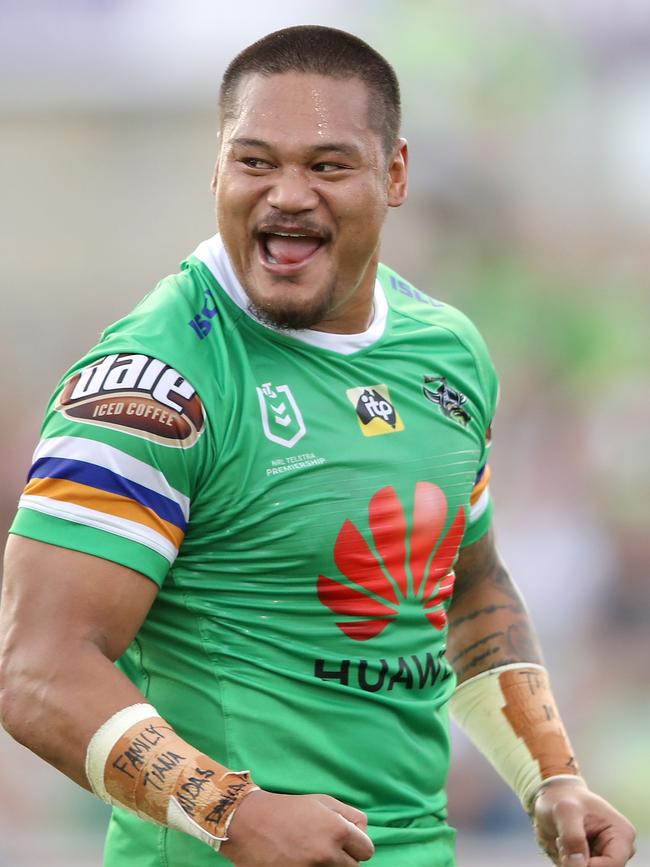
[(325, 147)]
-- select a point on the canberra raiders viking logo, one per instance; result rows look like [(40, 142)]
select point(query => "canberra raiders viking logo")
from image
[(448, 399)]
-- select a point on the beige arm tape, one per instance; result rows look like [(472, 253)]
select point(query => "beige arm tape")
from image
[(510, 715), (138, 762)]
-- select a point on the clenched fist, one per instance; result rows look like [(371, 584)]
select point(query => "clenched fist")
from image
[(579, 829), (271, 830)]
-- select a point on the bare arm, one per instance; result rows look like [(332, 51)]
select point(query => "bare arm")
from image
[(489, 625), (64, 618)]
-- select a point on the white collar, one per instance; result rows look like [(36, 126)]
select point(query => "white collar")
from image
[(213, 254)]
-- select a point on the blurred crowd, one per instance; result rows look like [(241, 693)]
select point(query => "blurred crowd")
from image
[(529, 209)]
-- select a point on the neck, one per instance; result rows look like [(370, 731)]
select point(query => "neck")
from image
[(356, 324)]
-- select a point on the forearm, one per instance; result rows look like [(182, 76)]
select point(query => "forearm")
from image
[(96, 728), (489, 625), (54, 701), (504, 700), (64, 618)]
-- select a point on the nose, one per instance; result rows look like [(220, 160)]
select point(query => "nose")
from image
[(292, 192)]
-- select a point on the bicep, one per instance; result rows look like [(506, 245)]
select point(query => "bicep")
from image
[(477, 564), (54, 595), (489, 625)]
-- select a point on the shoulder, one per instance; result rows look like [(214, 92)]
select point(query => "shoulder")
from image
[(414, 309), (407, 301), (166, 312), (147, 373), (171, 323)]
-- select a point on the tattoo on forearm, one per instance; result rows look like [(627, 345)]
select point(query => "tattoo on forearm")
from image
[(521, 642), (479, 663), (474, 645)]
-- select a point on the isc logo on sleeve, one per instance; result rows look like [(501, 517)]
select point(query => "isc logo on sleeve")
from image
[(375, 411)]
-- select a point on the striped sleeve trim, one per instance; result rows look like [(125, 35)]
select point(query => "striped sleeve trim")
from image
[(92, 476), (479, 499), (110, 458), (92, 483), (133, 530)]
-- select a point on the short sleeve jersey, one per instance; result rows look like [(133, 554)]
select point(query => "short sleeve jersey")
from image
[(301, 504)]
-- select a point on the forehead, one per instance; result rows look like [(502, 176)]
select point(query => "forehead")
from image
[(300, 104)]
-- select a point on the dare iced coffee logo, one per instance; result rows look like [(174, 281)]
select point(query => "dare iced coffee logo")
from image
[(138, 395)]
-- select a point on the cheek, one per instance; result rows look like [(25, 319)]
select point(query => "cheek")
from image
[(235, 198), (364, 217), (362, 208)]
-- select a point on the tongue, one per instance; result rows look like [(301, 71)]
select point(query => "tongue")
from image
[(289, 251)]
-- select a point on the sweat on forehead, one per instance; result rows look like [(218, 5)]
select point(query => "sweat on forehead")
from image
[(324, 51), (281, 100)]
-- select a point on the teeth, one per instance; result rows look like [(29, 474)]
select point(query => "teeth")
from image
[(288, 234)]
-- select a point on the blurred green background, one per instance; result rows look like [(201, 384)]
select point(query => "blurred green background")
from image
[(529, 126)]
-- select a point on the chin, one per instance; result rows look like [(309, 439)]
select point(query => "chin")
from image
[(289, 317), (282, 309)]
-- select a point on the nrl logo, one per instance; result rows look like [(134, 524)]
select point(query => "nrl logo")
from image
[(448, 399), (281, 418)]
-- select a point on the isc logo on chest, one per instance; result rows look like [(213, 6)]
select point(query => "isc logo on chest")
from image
[(138, 395)]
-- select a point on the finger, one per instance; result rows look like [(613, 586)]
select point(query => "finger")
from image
[(546, 840), (571, 841), (357, 817), (574, 860), (358, 844), (617, 852), (550, 851)]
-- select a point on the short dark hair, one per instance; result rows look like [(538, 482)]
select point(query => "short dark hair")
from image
[(311, 48)]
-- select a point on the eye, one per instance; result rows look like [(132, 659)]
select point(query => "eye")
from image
[(255, 163), (327, 168)]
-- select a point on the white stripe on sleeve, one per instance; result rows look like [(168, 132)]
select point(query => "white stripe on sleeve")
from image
[(115, 460), (101, 521), (479, 506)]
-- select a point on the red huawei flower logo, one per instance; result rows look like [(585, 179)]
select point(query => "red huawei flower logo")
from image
[(405, 567)]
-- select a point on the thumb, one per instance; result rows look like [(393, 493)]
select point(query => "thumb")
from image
[(571, 840), (357, 817)]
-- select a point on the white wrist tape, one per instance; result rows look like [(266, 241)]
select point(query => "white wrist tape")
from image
[(137, 761), (509, 713), (103, 741)]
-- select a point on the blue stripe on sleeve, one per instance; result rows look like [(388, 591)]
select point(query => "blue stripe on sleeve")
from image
[(94, 476)]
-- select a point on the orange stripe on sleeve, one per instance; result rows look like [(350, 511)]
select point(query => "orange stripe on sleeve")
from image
[(104, 501), (480, 487)]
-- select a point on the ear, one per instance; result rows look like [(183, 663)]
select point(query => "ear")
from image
[(215, 175), (397, 174)]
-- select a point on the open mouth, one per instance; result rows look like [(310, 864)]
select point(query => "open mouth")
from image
[(288, 251)]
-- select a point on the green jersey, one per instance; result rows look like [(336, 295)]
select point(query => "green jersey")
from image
[(300, 498)]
